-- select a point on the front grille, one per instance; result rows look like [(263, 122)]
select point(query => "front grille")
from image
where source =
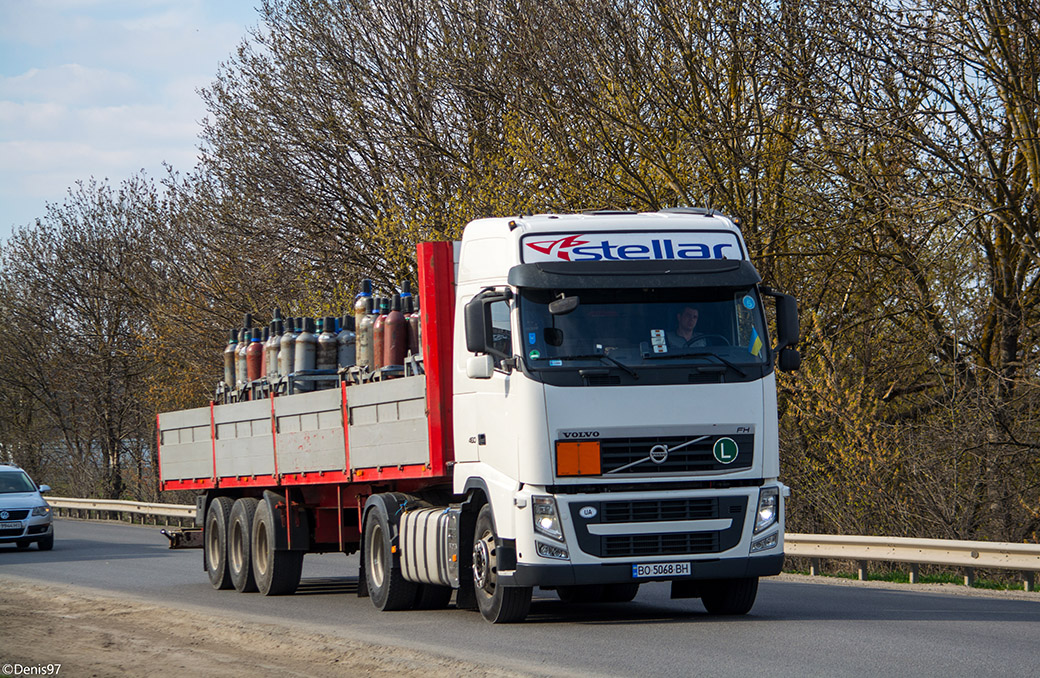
[(658, 511), (661, 544), (633, 455), (15, 514)]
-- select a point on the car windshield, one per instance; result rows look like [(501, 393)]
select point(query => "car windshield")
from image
[(723, 326), (15, 481)]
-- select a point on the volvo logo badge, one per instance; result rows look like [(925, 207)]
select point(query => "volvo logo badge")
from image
[(659, 454)]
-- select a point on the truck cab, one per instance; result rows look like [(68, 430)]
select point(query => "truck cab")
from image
[(615, 405)]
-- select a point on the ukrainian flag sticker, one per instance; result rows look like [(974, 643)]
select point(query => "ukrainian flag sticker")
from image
[(755, 345)]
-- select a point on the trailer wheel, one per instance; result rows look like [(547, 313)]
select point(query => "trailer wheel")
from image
[(730, 596), (433, 597), (216, 542), (498, 604), (240, 544), (277, 572), (386, 587)]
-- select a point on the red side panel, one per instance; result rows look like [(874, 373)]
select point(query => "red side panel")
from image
[(437, 296)]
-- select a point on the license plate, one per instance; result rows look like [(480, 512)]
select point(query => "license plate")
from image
[(661, 570), (10, 526)]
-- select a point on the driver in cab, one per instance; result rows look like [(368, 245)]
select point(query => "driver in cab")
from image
[(685, 335)]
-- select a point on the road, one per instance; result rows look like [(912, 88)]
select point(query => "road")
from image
[(795, 628)]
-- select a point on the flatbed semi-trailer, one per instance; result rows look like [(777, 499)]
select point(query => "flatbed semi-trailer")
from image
[(554, 430)]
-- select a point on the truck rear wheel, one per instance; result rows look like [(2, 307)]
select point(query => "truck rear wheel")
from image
[(387, 588), (277, 572), (240, 541), (729, 596), (215, 544), (498, 604)]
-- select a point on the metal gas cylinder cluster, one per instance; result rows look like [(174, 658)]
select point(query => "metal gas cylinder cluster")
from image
[(379, 340)]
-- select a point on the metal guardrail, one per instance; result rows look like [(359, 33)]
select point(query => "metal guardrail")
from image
[(969, 555), (962, 554), (100, 508)]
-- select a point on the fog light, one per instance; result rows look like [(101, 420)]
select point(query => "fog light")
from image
[(551, 551), (765, 543)]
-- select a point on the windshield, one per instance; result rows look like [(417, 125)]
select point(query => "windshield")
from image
[(644, 327), (15, 481)]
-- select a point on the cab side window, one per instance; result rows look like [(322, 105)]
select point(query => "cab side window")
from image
[(501, 332)]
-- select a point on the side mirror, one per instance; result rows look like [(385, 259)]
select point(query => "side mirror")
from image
[(477, 317), (45, 488), (480, 366), (786, 321), (789, 360)]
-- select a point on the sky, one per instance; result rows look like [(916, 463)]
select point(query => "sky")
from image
[(104, 89)]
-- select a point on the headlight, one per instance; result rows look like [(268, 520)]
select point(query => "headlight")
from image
[(546, 520), (768, 508), (44, 510)]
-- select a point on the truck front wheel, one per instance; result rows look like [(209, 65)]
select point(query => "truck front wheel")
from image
[(729, 596), (216, 542), (498, 604)]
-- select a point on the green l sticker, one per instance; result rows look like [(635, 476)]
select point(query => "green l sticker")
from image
[(725, 450)]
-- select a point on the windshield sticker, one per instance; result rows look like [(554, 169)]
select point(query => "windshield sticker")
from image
[(755, 345), (636, 246), (532, 338), (658, 341), (555, 363), (749, 302), (535, 354)]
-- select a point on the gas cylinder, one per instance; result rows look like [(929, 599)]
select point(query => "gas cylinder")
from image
[(360, 302), (241, 364), (327, 346), (271, 347), (266, 337), (287, 349), (306, 351), (378, 360), (254, 356), (229, 359), (364, 336), (415, 325), (408, 308), (346, 343), (395, 334)]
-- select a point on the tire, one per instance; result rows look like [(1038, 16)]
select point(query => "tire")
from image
[(730, 596), (240, 545), (497, 604), (47, 543), (386, 587), (276, 572), (432, 597), (215, 542)]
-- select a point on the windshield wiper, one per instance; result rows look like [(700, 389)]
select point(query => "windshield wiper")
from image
[(600, 356), (695, 354)]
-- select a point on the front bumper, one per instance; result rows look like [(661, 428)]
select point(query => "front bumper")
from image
[(529, 574), (33, 528)]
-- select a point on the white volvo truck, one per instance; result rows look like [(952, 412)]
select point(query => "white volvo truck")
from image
[(594, 407)]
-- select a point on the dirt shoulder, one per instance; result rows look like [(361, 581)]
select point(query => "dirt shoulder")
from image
[(99, 635)]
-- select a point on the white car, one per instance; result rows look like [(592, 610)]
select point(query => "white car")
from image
[(25, 517)]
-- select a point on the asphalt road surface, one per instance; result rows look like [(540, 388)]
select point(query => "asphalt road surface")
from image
[(802, 629)]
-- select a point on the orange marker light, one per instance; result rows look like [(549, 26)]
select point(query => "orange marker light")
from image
[(577, 459)]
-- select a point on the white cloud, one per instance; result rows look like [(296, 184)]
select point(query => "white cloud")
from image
[(68, 84)]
